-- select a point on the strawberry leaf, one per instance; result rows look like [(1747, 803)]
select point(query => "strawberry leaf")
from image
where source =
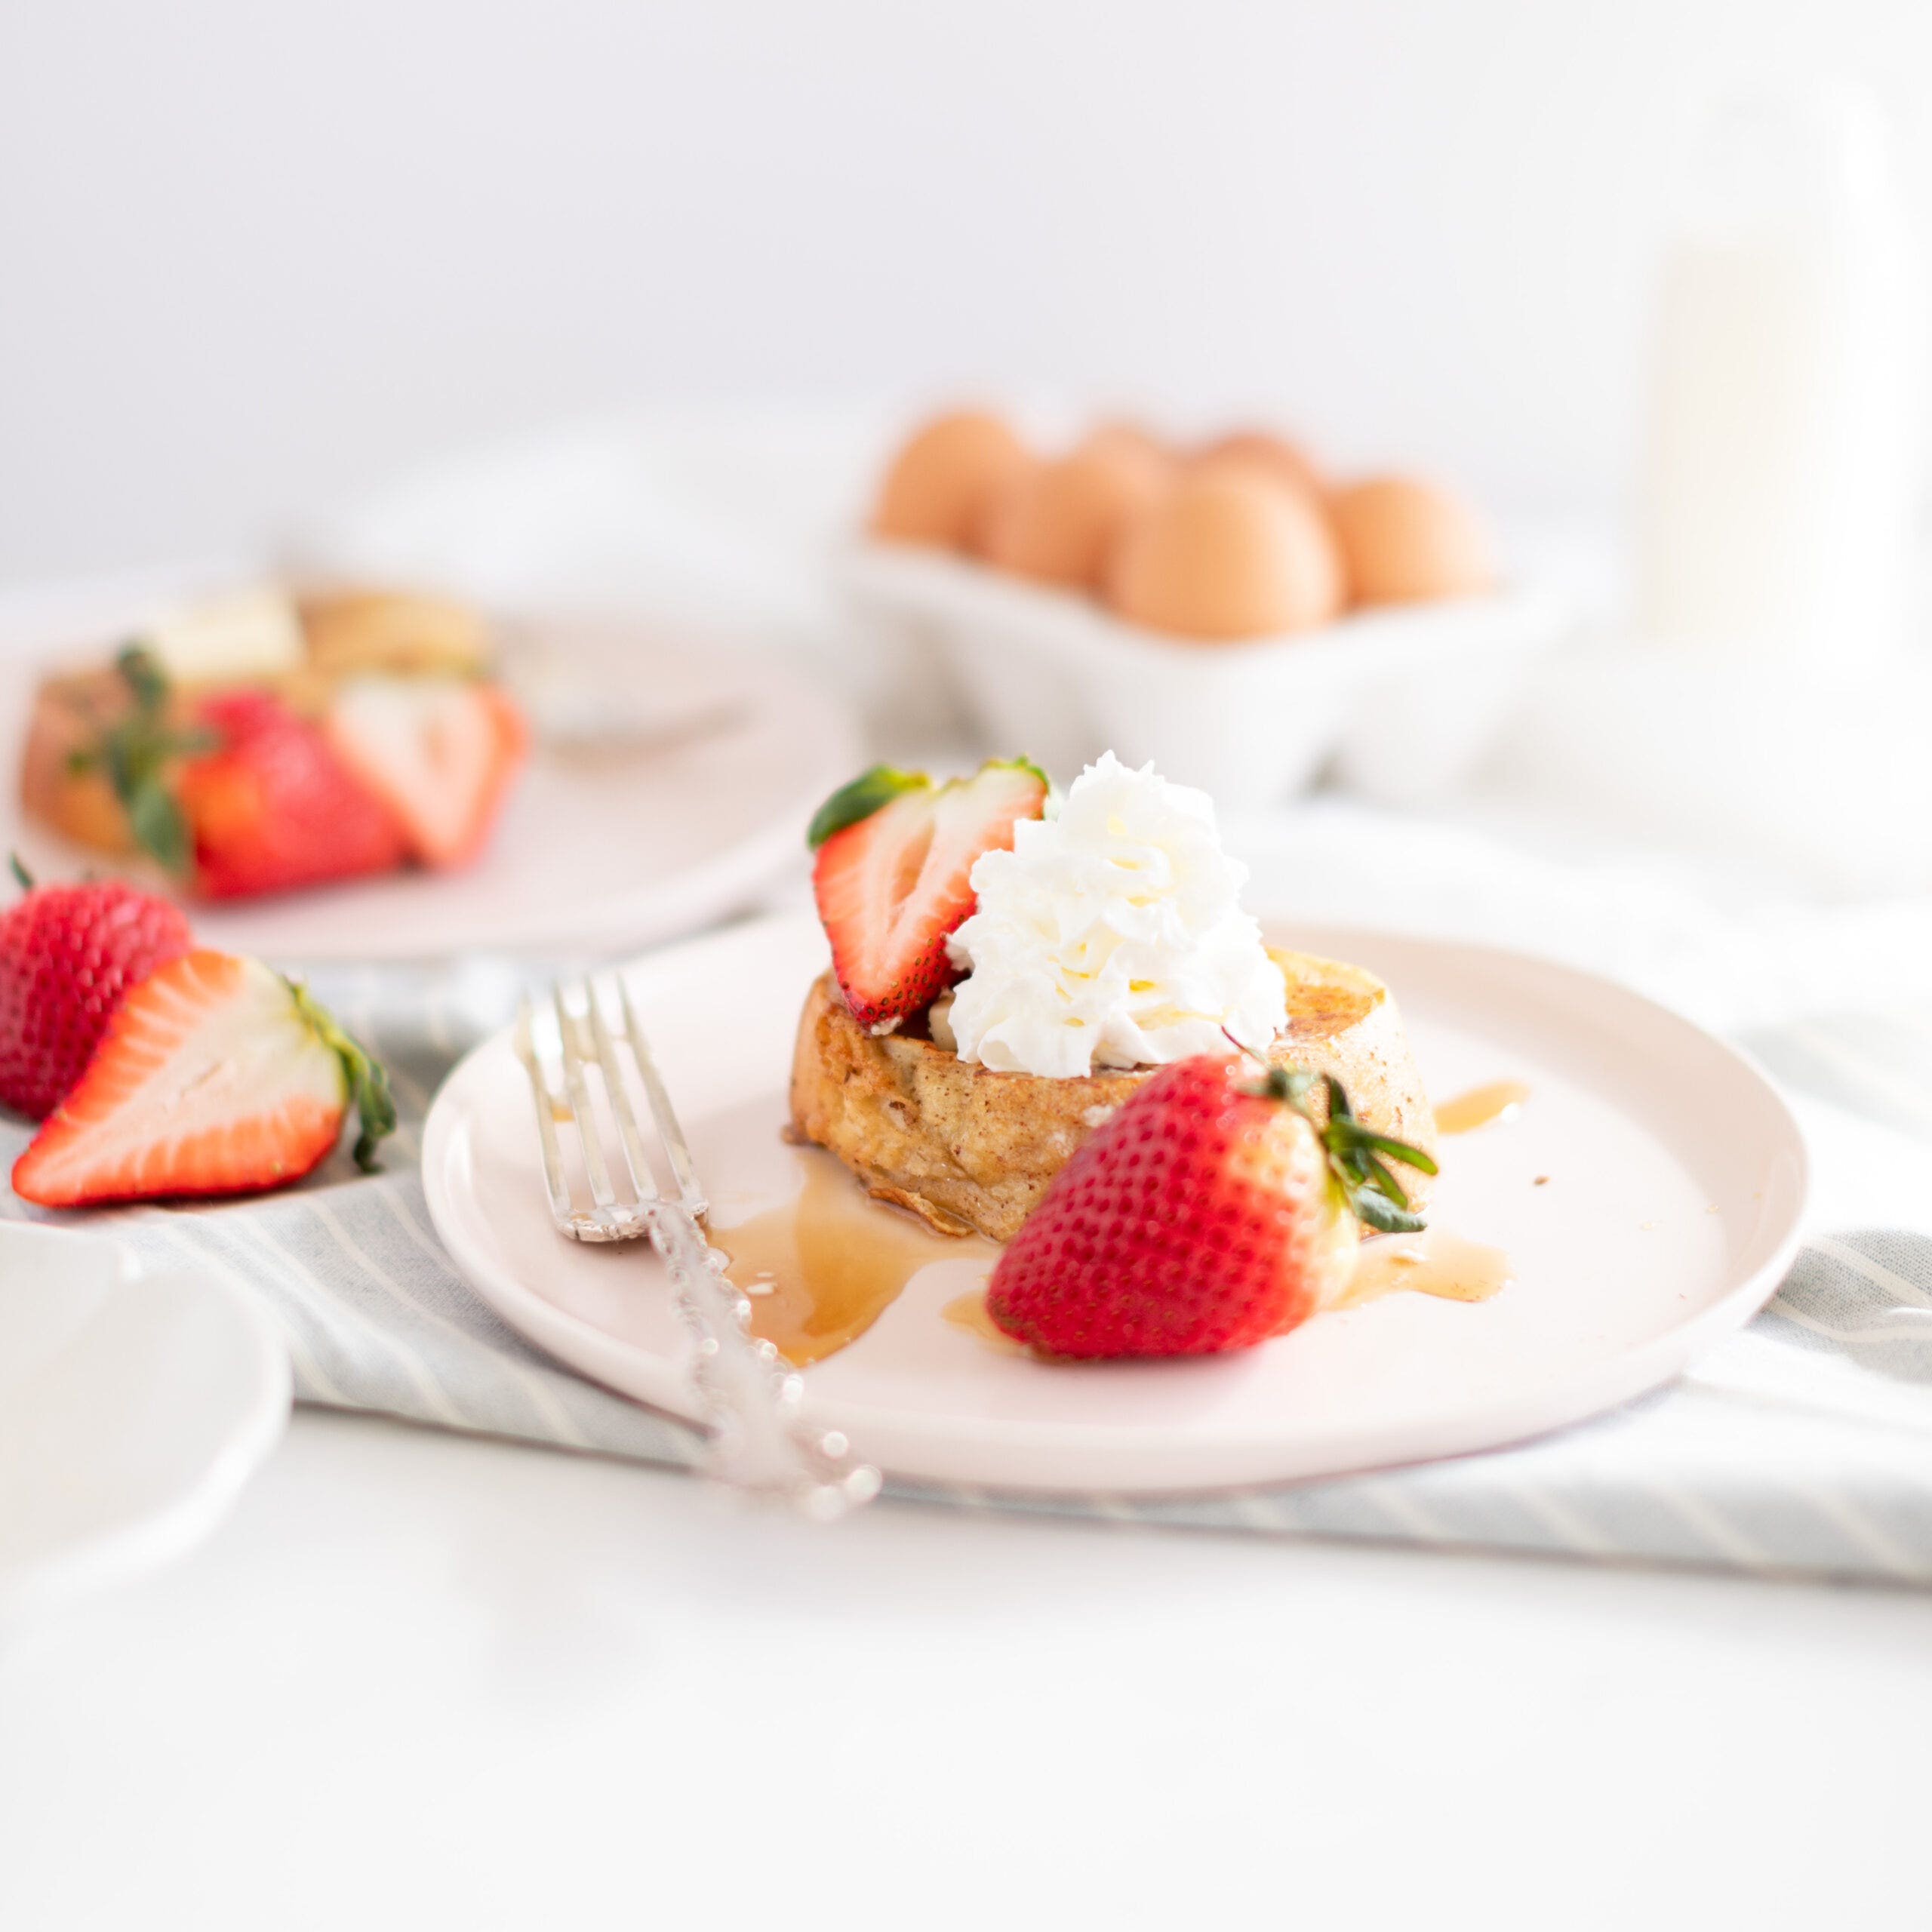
[(140, 671), (156, 822), (866, 794), (1365, 1179), (1380, 1179), (368, 1083), (1383, 1216), (1412, 1157), (135, 752)]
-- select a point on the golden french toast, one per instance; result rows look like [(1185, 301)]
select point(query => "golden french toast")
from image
[(77, 802), (352, 630), (971, 1151)]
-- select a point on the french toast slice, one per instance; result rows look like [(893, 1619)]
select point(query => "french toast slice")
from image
[(971, 1151), (69, 713), (349, 631)]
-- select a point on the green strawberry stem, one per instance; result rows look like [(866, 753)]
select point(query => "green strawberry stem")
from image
[(23, 877), (1354, 1152), (136, 751), (368, 1084), (1022, 763), (873, 791)]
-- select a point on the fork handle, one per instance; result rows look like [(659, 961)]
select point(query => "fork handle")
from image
[(759, 1440)]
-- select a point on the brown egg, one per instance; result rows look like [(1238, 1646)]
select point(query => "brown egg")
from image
[(981, 526), (1122, 433), (1057, 521), (1403, 540), (1226, 553), (1274, 456), (944, 475)]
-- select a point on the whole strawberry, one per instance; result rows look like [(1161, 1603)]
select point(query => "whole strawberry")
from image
[(1209, 1213), (68, 956)]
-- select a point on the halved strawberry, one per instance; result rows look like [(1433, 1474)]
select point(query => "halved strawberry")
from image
[(271, 807), (894, 876), (216, 1076), (440, 753)]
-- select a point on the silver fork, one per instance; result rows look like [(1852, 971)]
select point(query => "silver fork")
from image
[(749, 1393)]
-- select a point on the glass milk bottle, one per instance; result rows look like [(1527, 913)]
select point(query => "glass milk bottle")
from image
[(1779, 490)]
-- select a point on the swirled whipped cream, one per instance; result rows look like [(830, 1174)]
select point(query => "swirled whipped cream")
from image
[(1112, 935)]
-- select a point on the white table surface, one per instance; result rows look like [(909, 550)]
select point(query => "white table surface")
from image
[(418, 1680), (425, 1682)]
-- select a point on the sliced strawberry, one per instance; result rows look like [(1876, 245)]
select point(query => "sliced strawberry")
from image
[(273, 807), (216, 1076), (894, 876), (440, 753)]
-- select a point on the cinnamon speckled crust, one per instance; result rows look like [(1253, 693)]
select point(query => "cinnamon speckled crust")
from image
[(971, 1151)]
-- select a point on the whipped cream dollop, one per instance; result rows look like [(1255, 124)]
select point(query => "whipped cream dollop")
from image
[(1112, 935)]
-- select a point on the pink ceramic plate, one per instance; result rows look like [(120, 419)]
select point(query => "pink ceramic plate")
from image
[(601, 847), (1675, 1179)]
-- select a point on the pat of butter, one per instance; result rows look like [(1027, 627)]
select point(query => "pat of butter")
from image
[(240, 634)]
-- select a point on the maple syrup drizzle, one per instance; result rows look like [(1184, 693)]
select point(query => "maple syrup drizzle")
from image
[(1500, 1099), (821, 1267), (969, 1311), (1433, 1262)]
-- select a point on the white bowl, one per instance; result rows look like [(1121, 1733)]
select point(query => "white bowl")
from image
[(1397, 704), (133, 1408)]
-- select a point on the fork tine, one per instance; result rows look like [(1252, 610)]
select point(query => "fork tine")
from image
[(636, 1159), (594, 1167), (689, 1193), (554, 1181)]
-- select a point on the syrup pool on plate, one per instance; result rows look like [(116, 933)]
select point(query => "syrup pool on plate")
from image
[(1498, 1100), (822, 1267), (970, 1312), (1433, 1262)]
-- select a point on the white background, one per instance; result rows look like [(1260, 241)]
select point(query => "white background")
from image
[(255, 257)]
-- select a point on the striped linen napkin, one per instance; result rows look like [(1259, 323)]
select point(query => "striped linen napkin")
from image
[(1802, 1445)]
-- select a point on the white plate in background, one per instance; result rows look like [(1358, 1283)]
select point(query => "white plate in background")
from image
[(1676, 1180), (1400, 703), (133, 1409), (604, 847)]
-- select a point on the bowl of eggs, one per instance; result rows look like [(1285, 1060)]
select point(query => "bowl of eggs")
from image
[(1226, 610)]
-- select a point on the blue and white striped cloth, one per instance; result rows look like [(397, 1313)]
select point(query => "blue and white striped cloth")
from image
[(1802, 1445)]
